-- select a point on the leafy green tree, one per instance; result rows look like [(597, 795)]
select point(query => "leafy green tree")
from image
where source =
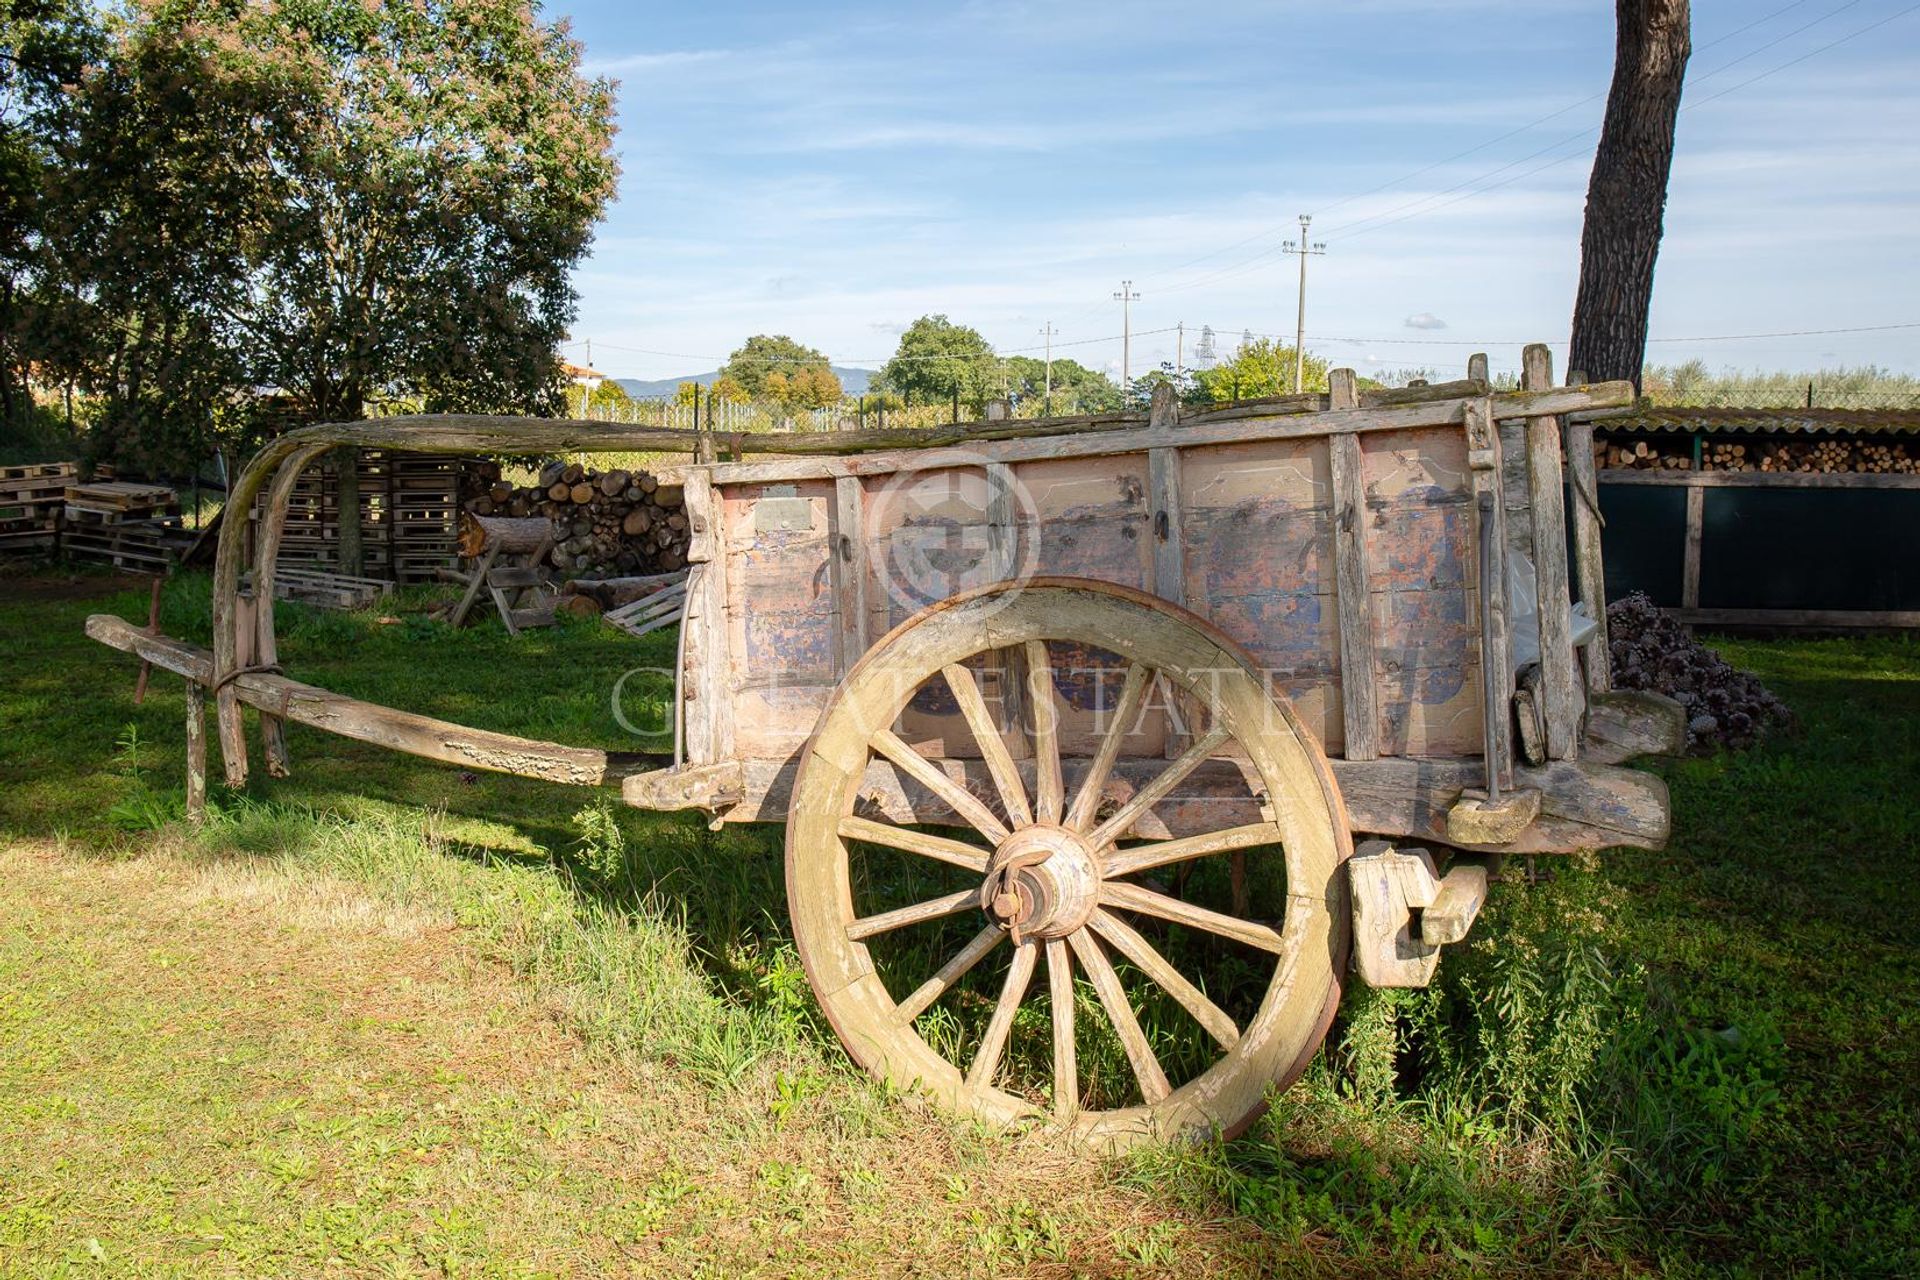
[(765, 354), (1259, 367), (353, 203), (807, 387), (1076, 388), (44, 47), (937, 359), (607, 398)]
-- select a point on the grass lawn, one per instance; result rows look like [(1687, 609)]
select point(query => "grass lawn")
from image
[(388, 1018)]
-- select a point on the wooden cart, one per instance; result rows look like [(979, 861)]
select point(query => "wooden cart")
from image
[(1114, 694)]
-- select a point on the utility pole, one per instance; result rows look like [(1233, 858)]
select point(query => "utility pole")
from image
[(1179, 349), (1304, 251), (589, 353), (1048, 334), (1126, 298)]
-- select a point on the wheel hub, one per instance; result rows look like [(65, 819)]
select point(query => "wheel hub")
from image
[(1042, 882)]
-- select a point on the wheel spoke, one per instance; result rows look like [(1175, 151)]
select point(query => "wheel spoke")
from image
[(1066, 1068), (993, 748), (949, 973), (1151, 794), (1043, 709), (952, 794), (1127, 940), (1019, 976), (920, 842), (1124, 862), (1132, 897), (931, 909), (1087, 802), (1113, 998)]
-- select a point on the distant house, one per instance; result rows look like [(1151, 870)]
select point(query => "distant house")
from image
[(581, 376)]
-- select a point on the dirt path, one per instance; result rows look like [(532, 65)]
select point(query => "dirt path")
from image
[(214, 1069)]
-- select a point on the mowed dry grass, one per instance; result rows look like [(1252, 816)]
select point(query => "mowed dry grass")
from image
[(211, 1067)]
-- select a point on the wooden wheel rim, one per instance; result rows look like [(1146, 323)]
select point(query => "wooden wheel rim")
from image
[(1306, 815)]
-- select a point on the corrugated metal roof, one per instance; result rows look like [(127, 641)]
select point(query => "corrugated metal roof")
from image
[(1763, 421)]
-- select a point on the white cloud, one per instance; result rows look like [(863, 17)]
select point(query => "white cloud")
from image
[(1424, 320)]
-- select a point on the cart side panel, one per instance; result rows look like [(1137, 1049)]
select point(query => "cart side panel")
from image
[(1423, 599), (1090, 518), (1258, 541), (935, 533), (782, 625)]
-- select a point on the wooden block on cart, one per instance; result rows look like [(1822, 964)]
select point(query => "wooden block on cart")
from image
[(1625, 724), (1476, 820), (1388, 885)]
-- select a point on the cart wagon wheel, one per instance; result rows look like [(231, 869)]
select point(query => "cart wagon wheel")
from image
[(1057, 866)]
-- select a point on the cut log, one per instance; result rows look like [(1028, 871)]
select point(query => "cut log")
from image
[(518, 536)]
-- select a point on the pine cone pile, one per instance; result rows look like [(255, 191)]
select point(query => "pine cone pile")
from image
[(1726, 707)]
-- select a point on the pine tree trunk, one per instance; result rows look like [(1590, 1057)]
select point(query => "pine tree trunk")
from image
[(1627, 195)]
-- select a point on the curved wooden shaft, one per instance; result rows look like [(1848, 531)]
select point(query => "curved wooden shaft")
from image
[(266, 556)]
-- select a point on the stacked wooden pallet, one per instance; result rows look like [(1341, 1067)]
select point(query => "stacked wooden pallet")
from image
[(128, 525), (408, 510), (326, 590), (31, 497), (426, 513)]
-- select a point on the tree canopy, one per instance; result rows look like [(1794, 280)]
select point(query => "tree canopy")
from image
[(938, 359), (352, 203), (766, 354), (1076, 388), (1258, 367)]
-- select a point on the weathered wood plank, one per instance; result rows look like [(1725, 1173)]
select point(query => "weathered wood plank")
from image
[(1559, 665), (706, 660), (1485, 456), (266, 563), (1169, 543), (365, 721), (1626, 724), (1132, 436), (1811, 618), (850, 569), (1590, 574), (196, 751), (1763, 479), (1690, 556), (1359, 692)]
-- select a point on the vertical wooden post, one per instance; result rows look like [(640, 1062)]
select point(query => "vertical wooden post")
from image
[(1006, 668), (708, 667), (196, 751), (849, 561), (1559, 676), (1496, 651), (1589, 564), (1359, 691), (1163, 482), (1690, 565), (153, 629)]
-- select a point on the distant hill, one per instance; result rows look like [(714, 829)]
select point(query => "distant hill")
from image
[(855, 381)]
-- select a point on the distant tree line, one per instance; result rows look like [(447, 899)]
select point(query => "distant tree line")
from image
[(221, 216)]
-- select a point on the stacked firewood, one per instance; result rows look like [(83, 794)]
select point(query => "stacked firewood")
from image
[(1725, 707), (1820, 456), (1638, 456), (604, 522)]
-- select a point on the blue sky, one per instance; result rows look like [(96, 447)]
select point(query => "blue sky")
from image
[(832, 171)]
